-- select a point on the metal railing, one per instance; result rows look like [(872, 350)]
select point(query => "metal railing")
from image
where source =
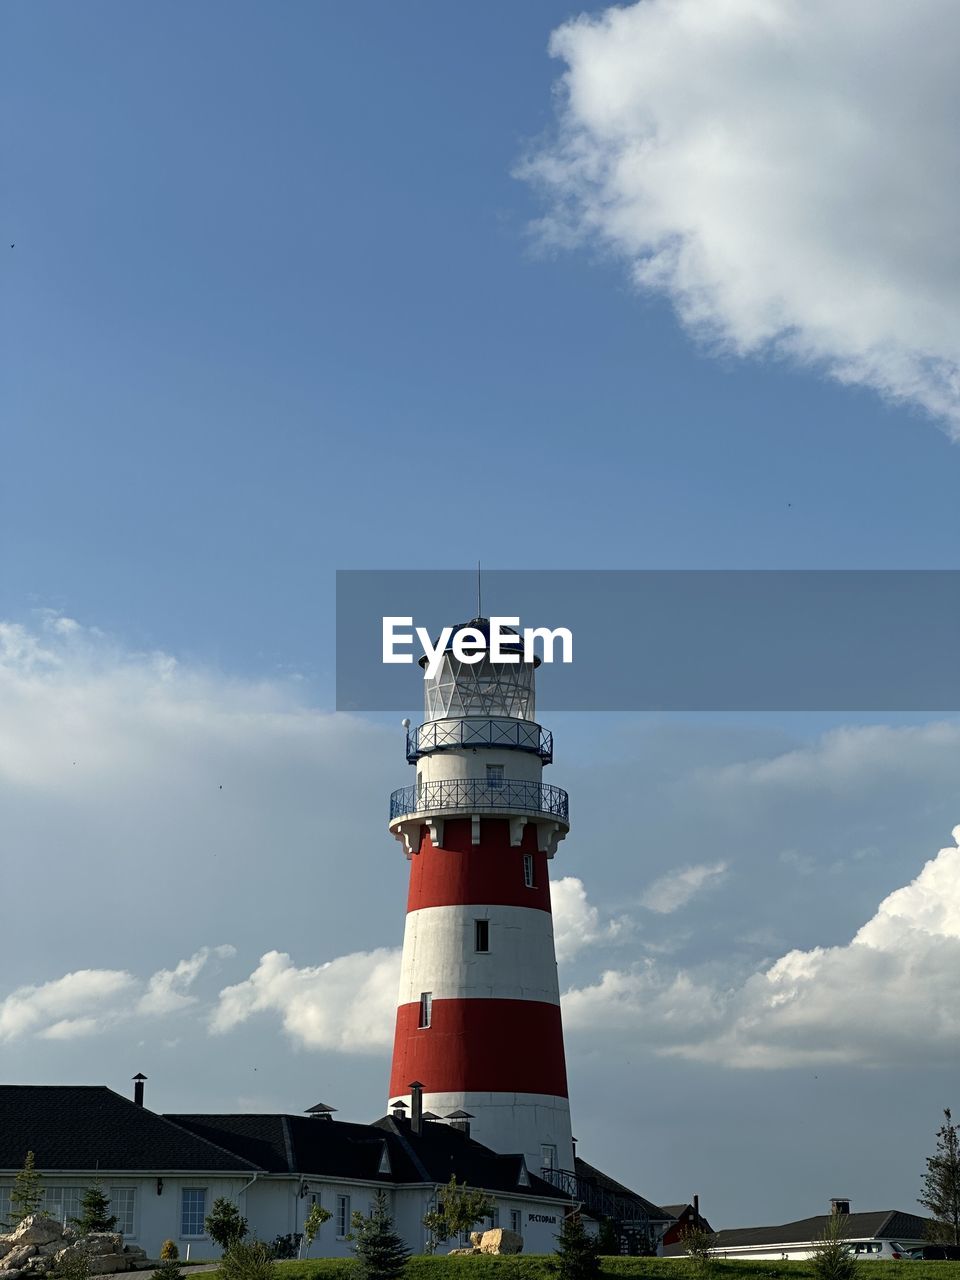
[(510, 734), (596, 1199), (476, 795)]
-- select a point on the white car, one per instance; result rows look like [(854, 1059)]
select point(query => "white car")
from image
[(879, 1250)]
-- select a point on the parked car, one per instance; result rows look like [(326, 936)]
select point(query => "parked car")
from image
[(879, 1250), (936, 1253)]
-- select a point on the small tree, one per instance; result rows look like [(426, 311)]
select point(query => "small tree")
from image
[(169, 1251), (941, 1184), (380, 1251), (698, 1245), (315, 1219), (224, 1223), (832, 1259), (95, 1212), (458, 1210), (578, 1252), (26, 1195), (169, 1269)]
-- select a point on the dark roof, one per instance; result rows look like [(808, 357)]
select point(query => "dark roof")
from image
[(87, 1127), (298, 1145), (590, 1174), (884, 1224)]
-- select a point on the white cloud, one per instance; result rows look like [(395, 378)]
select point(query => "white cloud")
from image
[(169, 989), (88, 1000), (889, 996), (783, 171), (577, 924), (348, 1004), (674, 890), (33, 1008)]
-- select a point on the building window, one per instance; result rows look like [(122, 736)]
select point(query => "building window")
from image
[(494, 1218), (4, 1206), (123, 1201), (548, 1156), (528, 870), (193, 1210), (63, 1203), (343, 1216), (516, 1220), (495, 775), (481, 935), (426, 1008)]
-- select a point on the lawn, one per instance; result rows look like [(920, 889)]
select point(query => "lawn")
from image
[(540, 1267)]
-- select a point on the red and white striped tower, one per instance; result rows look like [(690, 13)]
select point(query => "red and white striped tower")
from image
[(478, 1018)]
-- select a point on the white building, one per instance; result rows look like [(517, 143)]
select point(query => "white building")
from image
[(163, 1173)]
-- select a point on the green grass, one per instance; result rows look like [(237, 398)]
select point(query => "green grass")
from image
[(538, 1267)]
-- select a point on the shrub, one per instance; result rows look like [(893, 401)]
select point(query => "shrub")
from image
[(832, 1259), (169, 1251), (698, 1246), (248, 1260), (286, 1247), (169, 1269), (224, 1223)]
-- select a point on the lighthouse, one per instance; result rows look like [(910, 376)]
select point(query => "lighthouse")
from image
[(478, 1018)]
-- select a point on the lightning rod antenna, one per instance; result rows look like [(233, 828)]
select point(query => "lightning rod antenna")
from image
[(479, 597)]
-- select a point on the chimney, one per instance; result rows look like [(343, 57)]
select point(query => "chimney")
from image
[(138, 1082), (416, 1110), (696, 1212), (398, 1110), (460, 1120), (839, 1208)]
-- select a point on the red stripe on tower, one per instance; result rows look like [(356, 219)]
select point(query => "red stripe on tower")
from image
[(478, 1019)]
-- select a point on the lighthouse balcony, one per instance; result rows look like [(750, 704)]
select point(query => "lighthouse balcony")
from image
[(457, 732), (477, 795)]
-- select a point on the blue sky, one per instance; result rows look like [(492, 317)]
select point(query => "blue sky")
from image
[(282, 301)]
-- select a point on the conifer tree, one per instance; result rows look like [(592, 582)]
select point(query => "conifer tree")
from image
[(578, 1252), (26, 1195), (380, 1251), (941, 1183), (95, 1212)]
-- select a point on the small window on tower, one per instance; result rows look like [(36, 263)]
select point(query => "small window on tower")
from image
[(426, 1008), (481, 935), (494, 775), (528, 870)]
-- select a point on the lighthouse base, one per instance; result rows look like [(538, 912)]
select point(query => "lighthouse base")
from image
[(534, 1125)]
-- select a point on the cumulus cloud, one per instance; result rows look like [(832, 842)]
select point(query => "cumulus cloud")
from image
[(889, 996), (347, 1004), (577, 923), (783, 171), (674, 890), (86, 1001)]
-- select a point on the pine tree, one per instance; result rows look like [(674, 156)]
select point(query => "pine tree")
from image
[(380, 1251), (578, 1253), (94, 1211), (941, 1183), (26, 1195)]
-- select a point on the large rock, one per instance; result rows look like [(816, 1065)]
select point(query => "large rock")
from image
[(36, 1228), (500, 1240), (100, 1243), (6, 1244), (18, 1255)]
